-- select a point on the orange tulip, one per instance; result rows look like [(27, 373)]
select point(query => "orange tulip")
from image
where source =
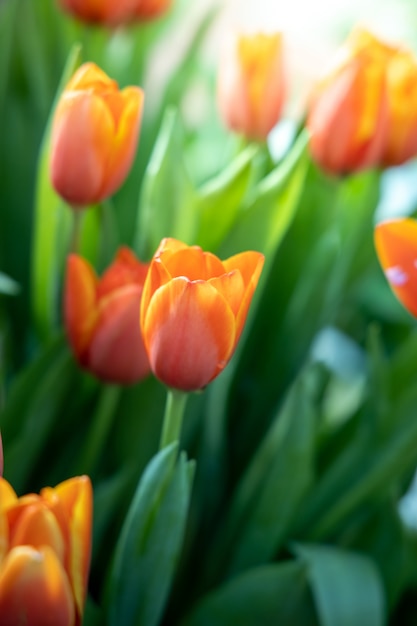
[(348, 113), (251, 84), (106, 12), (401, 143), (396, 246), (102, 317), (150, 9), (94, 136), (193, 310), (45, 545)]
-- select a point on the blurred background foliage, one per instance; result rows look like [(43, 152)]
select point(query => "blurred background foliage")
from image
[(303, 504)]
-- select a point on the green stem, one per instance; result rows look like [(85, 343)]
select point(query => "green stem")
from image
[(174, 413), (99, 432), (76, 230)]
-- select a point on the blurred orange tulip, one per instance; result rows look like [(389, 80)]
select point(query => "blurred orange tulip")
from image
[(193, 310), (150, 9), (1, 456), (251, 84), (94, 136), (45, 545), (102, 317), (401, 144), (106, 12), (348, 113), (396, 246)]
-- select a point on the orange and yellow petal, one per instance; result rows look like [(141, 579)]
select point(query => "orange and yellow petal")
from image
[(34, 589), (76, 495), (8, 495), (126, 135), (157, 276), (37, 526), (396, 245), (194, 264), (80, 303), (250, 265), (189, 333)]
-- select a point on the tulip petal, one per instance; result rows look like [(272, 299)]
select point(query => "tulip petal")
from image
[(83, 125), (89, 75), (37, 527), (76, 496), (396, 245), (125, 140), (194, 264), (34, 589), (232, 288), (80, 304), (157, 276), (8, 496), (125, 270), (117, 352), (250, 266), (189, 331)]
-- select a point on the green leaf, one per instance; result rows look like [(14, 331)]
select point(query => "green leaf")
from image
[(167, 204), (51, 227), (8, 286), (346, 586), (264, 596), (221, 198), (150, 542), (264, 505), (41, 413), (262, 225)]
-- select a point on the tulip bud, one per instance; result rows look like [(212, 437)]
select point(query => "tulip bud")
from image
[(45, 545), (105, 12), (102, 317), (94, 137), (251, 84), (396, 246), (193, 310), (348, 113), (150, 9)]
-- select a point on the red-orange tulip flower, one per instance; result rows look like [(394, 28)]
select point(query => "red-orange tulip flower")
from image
[(150, 9), (106, 12), (102, 317), (193, 310), (251, 84), (396, 246), (94, 136), (45, 545), (348, 113)]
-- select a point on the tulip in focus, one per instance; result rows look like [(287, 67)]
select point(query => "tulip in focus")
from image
[(396, 246), (150, 9), (94, 136), (251, 84), (102, 317), (105, 12), (193, 310), (45, 545), (348, 113)]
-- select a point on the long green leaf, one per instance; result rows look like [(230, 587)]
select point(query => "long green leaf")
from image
[(347, 587), (149, 545)]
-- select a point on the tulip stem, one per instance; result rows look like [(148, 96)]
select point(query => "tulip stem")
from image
[(174, 413), (76, 230)]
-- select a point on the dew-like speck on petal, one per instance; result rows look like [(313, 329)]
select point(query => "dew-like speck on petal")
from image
[(396, 276)]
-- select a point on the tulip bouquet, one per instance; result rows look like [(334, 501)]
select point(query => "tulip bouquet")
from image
[(207, 346)]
